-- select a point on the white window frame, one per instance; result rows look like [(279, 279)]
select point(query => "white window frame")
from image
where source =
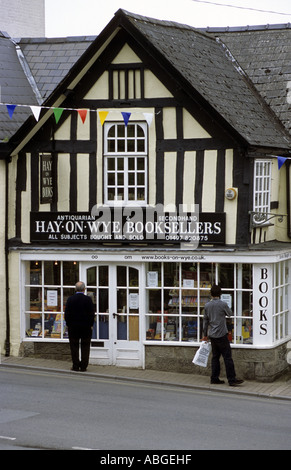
[(126, 157), (262, 186)]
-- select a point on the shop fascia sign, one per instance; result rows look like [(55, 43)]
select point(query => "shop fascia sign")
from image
[(129, 224)]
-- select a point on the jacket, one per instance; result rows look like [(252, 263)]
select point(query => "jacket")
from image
[(79, 311)]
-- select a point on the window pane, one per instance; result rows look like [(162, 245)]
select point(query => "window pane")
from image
[(154, 327), (111, 164), (120, 179), (103, 275), (70, 273), (131, 179), (140, 194), (140, 131), (111, 194), (121, 146), (130, 130), (141, 146), (111, 146), (121, 131), (140, 179), (120, 194), (120, 164), (171, 274), (111, 132), (111, 179), (52, 272), (226, 275), (130, 146), (33, 273), (131, 164)]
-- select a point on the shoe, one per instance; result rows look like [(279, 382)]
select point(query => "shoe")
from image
[(236, 383), (217, 381), (74, 369), (83, 370)]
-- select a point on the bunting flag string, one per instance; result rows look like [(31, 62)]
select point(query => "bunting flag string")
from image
[(58, 111)]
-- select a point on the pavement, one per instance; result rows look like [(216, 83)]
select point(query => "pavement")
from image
[(279, 389)]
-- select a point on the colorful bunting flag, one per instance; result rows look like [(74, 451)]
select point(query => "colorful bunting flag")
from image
[(103, 115), (58, 112), (149, 118), (36, 111), (11, 109), (82, 114), (281, 161), (126, 117)]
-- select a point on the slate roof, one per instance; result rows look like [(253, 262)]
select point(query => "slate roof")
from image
[(264, 53), (14, 88), (50, 59), (47, 61), (211, 70), (203, 65)]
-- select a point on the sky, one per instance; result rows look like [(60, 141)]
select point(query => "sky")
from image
[(89, 17)]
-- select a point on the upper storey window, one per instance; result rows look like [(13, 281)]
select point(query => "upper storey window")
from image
[(125, 164), (126, 82), (262, 186)]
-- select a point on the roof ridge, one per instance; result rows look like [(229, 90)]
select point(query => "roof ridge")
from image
[(231, 29), (55, 40), (157, 21), (165, 23)]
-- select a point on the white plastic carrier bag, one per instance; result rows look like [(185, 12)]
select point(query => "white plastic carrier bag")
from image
[(202, 355)]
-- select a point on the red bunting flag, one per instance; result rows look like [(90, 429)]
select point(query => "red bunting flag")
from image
[(82, 114)]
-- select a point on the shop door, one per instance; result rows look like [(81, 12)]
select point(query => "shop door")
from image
[(115, 291)]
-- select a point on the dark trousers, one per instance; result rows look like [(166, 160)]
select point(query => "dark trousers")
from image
[(79, 335), (221, 347)]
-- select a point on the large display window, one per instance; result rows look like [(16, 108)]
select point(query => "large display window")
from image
[(176, 294), (48, 284), (171, 300)]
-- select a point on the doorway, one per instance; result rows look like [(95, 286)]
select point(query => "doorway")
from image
[(117, 330)]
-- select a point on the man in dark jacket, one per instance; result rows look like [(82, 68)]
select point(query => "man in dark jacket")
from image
[(79, 316)]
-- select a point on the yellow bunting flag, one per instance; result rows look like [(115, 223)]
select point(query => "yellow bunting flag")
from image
[(103, 115)]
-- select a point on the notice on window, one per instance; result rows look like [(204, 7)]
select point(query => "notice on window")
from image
[(227, 299), (52, 298), (152, 279), (133, 301)]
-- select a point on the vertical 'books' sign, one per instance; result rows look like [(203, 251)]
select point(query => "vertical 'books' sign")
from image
[(46, 179)]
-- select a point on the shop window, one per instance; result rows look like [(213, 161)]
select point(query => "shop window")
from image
[(125, 163), (48, 284), (280, 301), (176, 294)]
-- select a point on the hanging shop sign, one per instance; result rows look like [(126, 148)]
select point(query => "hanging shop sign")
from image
[(46, 180), (127, 225)]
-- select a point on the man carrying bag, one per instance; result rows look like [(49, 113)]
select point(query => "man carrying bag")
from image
[(215, 328)]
